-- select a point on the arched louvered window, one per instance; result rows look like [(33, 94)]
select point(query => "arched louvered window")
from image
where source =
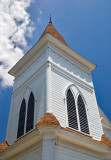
[(30, 113), (76, 111), (71, 109), (82, 115), (21, 123)]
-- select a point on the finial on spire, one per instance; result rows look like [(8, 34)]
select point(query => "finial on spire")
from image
[(50, 19)]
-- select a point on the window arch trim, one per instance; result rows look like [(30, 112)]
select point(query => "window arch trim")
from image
[(78, 92)]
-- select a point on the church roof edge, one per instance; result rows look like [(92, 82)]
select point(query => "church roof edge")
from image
[(52, 36)]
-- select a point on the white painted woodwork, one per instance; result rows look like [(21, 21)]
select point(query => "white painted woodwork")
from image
[(48, 74), (48, 38), (37, 86), (32, 153), (48, 147), (48, 70), (65, 153)]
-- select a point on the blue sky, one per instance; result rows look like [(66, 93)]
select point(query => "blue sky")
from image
[(84, 24)]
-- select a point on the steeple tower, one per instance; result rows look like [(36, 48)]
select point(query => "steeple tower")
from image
[(54, 113)]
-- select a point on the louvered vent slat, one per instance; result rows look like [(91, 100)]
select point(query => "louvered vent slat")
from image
[(21, 122), (30, 113), (82, 115), (71, 109)]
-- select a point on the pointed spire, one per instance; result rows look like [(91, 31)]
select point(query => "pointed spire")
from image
[(51, 30), (50, 19)]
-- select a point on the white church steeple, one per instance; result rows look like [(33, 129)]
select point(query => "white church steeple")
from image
[(54, 112), (46, 72)]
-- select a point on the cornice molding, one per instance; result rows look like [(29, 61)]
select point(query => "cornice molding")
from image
[(21, 144), (60, 133), (72, 77), (37, 47)]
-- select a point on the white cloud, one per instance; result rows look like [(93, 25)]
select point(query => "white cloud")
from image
[(41, 12), (15, 25), (38, 20)]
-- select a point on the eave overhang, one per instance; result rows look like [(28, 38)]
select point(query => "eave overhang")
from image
[(84, 141), (64, 48), (21, 144), (60, 133)]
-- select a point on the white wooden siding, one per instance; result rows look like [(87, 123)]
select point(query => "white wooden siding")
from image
[(30, 69), (34, 153), (63, 153), (59, 84), (93, 114), (64, 72), (37, 86), (70, 65), (58, 104)]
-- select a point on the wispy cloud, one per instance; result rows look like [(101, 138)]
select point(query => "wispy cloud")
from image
[(38, 20), (41, 12), (15, 25)]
